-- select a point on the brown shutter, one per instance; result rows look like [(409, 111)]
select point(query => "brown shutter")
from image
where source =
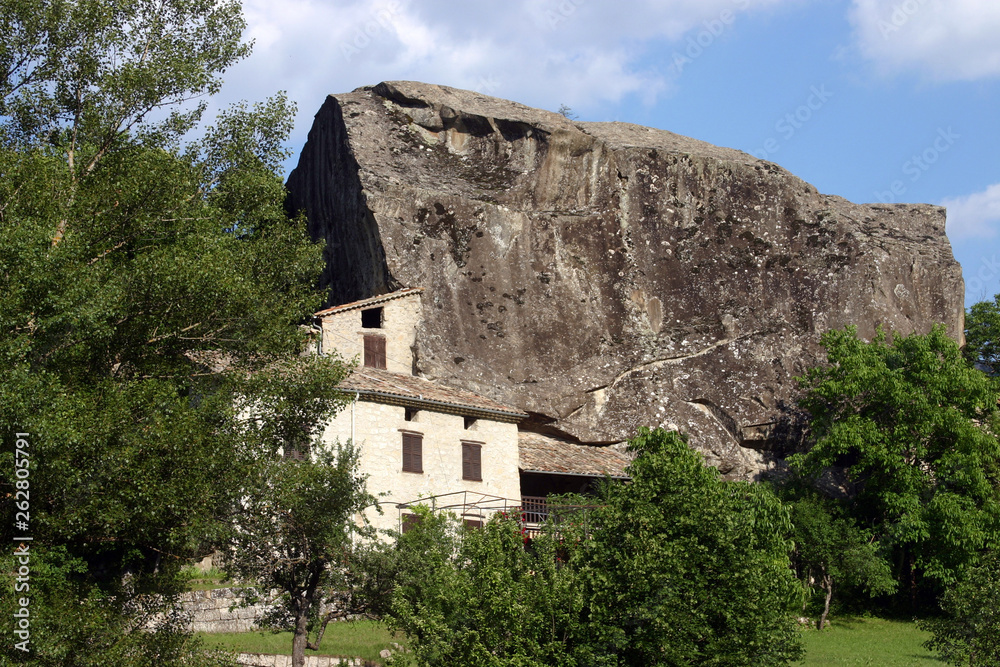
[(410, 521), (472, 461), (413, 452), (374, 351)]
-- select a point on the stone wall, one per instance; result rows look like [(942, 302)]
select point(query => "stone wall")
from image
[(210, 611), (377, 430), (343, 332), (268, 660)]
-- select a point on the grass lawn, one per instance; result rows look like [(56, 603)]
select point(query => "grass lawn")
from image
[(868, 641), (349, 639)]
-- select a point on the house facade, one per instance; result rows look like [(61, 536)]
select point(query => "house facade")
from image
[(418, 440)]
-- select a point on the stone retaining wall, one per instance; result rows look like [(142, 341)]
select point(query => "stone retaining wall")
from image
[(268, 660), (210, 612)]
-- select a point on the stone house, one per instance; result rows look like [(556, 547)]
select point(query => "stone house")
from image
[(417, 438), (423, 441)]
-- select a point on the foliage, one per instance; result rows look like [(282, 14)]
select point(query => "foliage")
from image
[(687, 569), (677, 567), (295, 533), (295, 524), (479, 597), (982, 335), (913, 426), (969, 631), (832, 552), (66, 611), (134, 271)]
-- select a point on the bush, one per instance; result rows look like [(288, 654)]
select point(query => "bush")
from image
[(675, 567), (969, 631)]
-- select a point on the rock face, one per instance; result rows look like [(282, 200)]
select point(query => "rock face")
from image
[(605, 276)]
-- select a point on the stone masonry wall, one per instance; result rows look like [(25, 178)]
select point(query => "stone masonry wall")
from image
[(343, 332), (378, 431), (210, 611), (268, 660)]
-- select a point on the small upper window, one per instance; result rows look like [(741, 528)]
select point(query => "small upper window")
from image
[(374, 351), (371, 318), (410, 414), (469, 422)]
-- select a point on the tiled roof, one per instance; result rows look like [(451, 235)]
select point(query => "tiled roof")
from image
[(371, 301), (541, 453), (398, 389)]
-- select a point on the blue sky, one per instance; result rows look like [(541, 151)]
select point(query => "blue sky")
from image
[(872, 100)]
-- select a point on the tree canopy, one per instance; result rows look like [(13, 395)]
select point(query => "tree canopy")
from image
[(142, 275), (968, 630), (982, 335), (913, 428), (677, 567)]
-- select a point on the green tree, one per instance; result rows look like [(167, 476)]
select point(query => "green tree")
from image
[(968, 633), (296, 534), (140, 278), (913, 427), (982, 335), (297, 523), (684, 568), (832, 552), (676, 567), (480, 597)]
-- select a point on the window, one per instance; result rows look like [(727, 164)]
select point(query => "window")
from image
[(371, 318), (472, 523), (410, 414), (469, 421), (409, 521), (413, 452), (374, 351), (472, 461)]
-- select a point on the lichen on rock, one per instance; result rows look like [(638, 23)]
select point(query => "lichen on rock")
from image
[(606, 276)]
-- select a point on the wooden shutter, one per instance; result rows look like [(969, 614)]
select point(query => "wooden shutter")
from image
[(409, 521), (374, 351), (472, 463), (413, 445)]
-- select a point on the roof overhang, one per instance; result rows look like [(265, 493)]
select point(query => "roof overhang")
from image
[(436, 406), (576, 474)]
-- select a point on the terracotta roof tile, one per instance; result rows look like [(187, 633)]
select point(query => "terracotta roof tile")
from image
[(542, 453), (397, 388), (371, 301)]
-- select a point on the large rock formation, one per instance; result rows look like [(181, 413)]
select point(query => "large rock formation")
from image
[(603, 276)]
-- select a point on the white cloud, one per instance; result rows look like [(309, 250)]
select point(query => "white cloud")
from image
[(946, 40), (974, 216), (584, 53)]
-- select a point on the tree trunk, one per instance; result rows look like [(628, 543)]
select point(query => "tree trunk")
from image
[(301, 637), (828, 587)]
